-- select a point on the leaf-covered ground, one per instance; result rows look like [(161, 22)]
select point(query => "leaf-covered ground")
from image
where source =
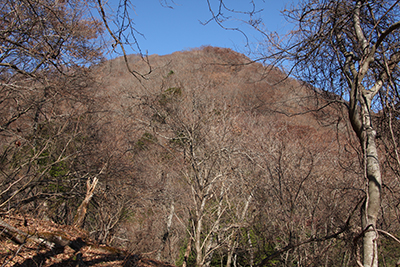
[(72, 247)]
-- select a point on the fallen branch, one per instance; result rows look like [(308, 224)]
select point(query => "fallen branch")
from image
[(21, 237)]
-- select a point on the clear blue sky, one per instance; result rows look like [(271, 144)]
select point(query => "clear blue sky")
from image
[(168, 30)]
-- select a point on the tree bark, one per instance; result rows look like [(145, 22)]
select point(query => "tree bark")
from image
[(197, 243), (372, 203), (233, 242), (22, 237), (187, 252), (82, 209), (167, 231), (370, 210)]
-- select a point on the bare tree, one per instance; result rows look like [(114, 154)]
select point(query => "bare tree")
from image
[(45, 99), (349, 48), (198, 132)]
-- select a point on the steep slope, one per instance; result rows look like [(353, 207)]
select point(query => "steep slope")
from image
[(282, 149), (72, 247), (208, 157), (220, 72)]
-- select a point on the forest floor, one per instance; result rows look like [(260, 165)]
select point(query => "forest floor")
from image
[(72, 247)]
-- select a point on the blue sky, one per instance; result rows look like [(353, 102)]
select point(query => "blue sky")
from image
[(168, 30)]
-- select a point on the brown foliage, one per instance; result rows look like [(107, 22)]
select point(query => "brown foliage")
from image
[(283, 158), (278, 177)]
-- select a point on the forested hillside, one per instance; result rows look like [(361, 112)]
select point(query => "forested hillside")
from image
[(209, 159)]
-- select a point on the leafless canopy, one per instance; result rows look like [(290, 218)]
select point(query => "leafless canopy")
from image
[(351, 50)]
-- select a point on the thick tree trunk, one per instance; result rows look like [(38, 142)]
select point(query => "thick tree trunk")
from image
[(197, 244), (360, 118), (361, 121), (362, 125), (373, 201)]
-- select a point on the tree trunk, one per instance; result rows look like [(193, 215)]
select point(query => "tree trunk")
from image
[(81, 212), (233, 243), (22, 237), (231, 251), (187, 252), (197, 243), (167, 231), (372, 203), (251, 251), (362, 124)]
